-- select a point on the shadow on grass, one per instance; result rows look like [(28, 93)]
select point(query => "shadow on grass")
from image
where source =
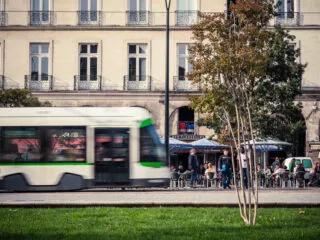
[(205, 232)]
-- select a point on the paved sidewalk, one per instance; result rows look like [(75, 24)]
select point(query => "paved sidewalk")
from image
[(309, 197)]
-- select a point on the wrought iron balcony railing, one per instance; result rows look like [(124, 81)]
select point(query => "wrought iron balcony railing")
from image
[(3, 18), (36, 82), (182, 84), (186, 18), (132, 18), (137, 83), (288, 19), (89, 17), (87, 82), (38, 18), (138, 18)]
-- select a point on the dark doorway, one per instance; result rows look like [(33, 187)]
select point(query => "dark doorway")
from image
[(186, 120)]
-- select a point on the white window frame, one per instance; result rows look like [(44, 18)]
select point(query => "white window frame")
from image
[(41, 13), (3, 17), (138, 16), (187, 64), (87, 13), (187, 16), (188, 9), (89, 55), (137, 56), (2, 5), (40, 55)]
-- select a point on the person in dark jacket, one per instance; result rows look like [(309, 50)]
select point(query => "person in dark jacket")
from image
[(300, 171), (225, 162), (193, 165)]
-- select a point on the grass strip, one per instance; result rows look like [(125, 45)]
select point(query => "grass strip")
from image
[(157, 223)]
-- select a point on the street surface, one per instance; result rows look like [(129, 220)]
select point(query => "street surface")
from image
[(158, 197)]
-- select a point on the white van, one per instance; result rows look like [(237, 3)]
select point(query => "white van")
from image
[(306, 162)]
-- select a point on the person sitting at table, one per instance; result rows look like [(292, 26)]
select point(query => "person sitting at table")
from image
[(201, 173), (275, 176), (180, 169), (300, 171)]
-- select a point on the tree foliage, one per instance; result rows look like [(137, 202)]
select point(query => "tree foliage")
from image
[(20, 98), (248, 74)]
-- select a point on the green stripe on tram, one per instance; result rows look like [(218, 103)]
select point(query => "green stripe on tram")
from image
[(152, 164), (47, 164), (146, 122)]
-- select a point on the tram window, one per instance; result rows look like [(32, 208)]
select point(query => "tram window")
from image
[(68, 144), (43, 144), (151, 149), (112, 145), (20, 144)]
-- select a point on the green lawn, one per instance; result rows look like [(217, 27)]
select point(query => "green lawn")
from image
[(156, 223)]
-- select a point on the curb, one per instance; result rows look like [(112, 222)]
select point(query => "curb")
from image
[(142, 205)]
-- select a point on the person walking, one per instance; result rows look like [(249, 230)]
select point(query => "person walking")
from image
[(244, 165), (193, 165), (225, 162)]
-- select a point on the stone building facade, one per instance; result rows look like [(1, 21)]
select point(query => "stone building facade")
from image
[(112, 53)]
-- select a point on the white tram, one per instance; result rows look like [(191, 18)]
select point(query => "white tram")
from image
[(52, 149)]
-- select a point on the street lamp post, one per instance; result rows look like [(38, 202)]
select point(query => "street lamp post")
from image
[(166, 115)]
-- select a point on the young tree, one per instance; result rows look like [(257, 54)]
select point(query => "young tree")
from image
[(234, 57), (19, 98)]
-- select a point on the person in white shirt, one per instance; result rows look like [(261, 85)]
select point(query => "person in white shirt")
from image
[(244, 166), (276, 174)]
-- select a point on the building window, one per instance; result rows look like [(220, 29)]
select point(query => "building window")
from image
[(184, 67), (40, 12), (286, 8), (286, 15), (137, 62), (3, 15), (88, 13), (88, 62), (39, 58), (138, 14), (187, 13)]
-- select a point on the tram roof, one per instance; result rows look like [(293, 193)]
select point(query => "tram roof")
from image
[(135, 112)]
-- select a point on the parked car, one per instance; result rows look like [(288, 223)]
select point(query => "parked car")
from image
[(306, 162)]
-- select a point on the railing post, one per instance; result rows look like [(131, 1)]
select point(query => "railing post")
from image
[(26, 82), (51, 82)]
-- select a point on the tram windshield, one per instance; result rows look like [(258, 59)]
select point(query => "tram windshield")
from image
[(151, 149)]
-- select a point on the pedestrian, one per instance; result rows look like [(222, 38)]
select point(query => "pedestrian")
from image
[(292, 165), (244, 163), (274, 164), (193, 165), (225, 162)]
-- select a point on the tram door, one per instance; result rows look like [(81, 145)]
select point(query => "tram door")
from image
[(111, 156)]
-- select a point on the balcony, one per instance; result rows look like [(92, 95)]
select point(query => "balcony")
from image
[(288, 19), (186, 18), (37, 82), (89, 18), (87, 82), (137, 83), (3, 18), (182, 84), (40, 18), (137, 18), (131, 18)]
